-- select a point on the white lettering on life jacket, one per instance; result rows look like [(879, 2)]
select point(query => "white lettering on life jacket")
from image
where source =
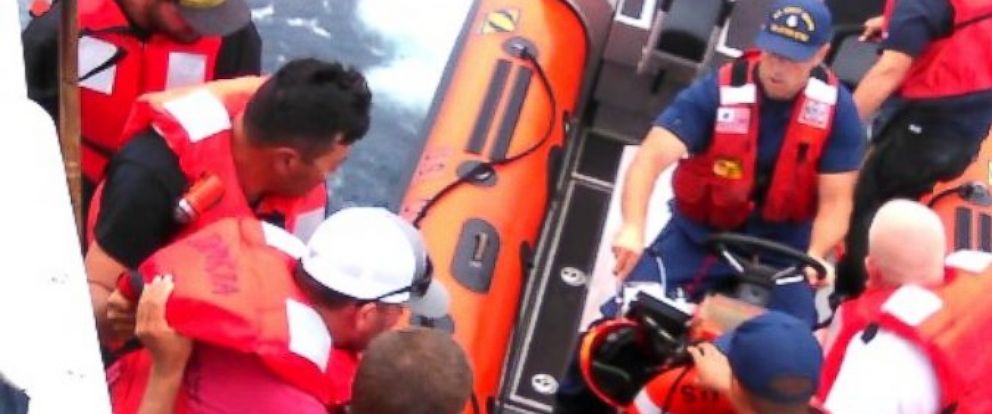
[(308, 336), (94, 53), (186, 69), (200, 113)]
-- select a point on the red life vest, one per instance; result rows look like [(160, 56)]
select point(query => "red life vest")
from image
[(958, 64), (852, 317), (950, 325), (116, 67), (717, 187), (196, 123), (235, 288)]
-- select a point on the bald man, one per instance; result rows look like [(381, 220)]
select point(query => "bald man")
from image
[(906, 244), (868, 371)]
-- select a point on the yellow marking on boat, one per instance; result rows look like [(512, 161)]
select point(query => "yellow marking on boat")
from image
[(501, 21)]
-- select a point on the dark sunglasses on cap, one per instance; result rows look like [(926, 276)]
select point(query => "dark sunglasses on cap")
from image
[(421, 282)]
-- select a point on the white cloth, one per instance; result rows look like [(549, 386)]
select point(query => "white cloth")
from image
[(888, 375)]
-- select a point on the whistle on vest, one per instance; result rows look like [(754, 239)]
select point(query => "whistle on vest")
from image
[(202, 195)]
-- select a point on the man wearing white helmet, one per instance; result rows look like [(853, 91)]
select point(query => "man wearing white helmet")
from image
[(360, 269)]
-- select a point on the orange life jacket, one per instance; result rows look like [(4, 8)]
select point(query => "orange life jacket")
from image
[(196, 123), (116, 67), (677, 391), (950, 325), (957, 64), (235, 288), (717, 187)]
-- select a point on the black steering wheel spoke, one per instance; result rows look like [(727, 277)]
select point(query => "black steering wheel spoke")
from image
[(729, 245)]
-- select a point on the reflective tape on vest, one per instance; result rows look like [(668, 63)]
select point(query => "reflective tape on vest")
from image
[(308, 336), (645, 405), (200, 114), (734, 95), (280, 239), (93, 59), (186, 69), (912, 304)]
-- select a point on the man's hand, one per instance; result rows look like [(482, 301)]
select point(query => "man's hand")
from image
[(874, 28), (814, 279), (627, 248), (169, 350), (712, 368), (120, 315)]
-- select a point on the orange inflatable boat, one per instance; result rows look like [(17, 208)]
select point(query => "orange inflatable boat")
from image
[(965, 205), (481, 188)]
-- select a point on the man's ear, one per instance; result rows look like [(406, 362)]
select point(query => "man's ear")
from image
[(364, 315), (871, 269), (284, 158)]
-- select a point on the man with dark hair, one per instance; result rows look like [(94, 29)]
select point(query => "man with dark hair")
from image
[(412, 371), (131, 47), (234, 148)]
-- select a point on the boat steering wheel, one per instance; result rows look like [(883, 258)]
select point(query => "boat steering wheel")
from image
[(727, 246)]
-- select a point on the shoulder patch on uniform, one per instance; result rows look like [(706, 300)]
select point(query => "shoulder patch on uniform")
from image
[(200, 113), (912, 304), (821, 91), (733, 95), (308, 336), (283, 240)]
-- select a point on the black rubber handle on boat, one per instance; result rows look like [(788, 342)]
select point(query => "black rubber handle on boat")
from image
[(483, 121), (474, 263), (511, 115)]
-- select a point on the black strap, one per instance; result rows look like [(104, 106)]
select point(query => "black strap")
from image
[(98, 148), (738, 72), (820, 72), (137, 281), (118, 55), (118, 30), (869, 333), (971, 21)]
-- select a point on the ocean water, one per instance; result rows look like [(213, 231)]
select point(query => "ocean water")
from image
[(401, 46)]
